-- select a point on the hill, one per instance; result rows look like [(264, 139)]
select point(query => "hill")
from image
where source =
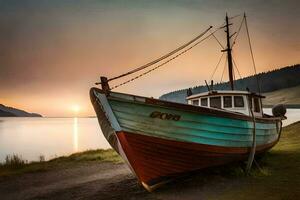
[(271, 81), (6, 114), (289, 96), (14, 112)]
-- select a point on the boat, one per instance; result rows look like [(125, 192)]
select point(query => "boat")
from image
[(161, 140)]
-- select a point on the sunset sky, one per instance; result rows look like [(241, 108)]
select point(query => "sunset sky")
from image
[(52, 52)]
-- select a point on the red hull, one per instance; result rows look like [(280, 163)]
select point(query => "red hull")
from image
[(156, 160)]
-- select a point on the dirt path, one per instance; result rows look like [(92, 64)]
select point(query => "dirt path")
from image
[(79, 181), (102, 181), (98, 180)]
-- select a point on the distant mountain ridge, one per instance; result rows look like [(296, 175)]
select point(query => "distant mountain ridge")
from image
[(269, 81), (6, 111)]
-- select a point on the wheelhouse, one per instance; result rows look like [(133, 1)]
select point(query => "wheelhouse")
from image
[(234, 101)]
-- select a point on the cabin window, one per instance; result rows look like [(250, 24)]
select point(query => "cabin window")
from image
[(256, 105), (195, 102), (227, 100), (215, 102), (203, 101), (238, 101)]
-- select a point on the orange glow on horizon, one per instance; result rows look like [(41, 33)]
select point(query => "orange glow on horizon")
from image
[(75, 108)]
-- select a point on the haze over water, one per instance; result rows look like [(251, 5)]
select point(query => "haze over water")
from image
[(53, 137)]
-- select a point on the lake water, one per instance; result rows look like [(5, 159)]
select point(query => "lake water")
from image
[(53, 137), (50, 137)]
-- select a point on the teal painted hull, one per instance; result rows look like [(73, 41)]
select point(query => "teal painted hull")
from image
[(192, 127)]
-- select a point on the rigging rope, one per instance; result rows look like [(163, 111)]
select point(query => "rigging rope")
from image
[(218, 41), (224, 70), (252, 56), (234, 63), (138, 76), (238, 32), (233, 75), (216, 66), (235, 16), (161, 58)]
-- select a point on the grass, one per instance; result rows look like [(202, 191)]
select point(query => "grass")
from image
[(14, 161), (108, 155), (279, 177), (16, 165)]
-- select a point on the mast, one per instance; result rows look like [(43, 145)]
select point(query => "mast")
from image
[(229, 56)]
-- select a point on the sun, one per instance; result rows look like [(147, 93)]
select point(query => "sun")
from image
[(75, 108)]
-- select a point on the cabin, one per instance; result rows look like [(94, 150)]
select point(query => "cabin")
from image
[(230, 100)]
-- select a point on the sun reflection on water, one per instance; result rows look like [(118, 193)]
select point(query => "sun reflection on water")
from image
[(75, 134)]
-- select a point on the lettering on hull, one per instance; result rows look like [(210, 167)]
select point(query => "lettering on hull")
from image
[(165, 116)]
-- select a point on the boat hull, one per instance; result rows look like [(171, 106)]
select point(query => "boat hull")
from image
[(156, 160), (162, 140)]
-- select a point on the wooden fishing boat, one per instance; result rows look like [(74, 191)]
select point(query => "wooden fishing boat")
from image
[(161, 140)]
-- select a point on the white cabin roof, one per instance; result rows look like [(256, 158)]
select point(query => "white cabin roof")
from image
[(223, 92)]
